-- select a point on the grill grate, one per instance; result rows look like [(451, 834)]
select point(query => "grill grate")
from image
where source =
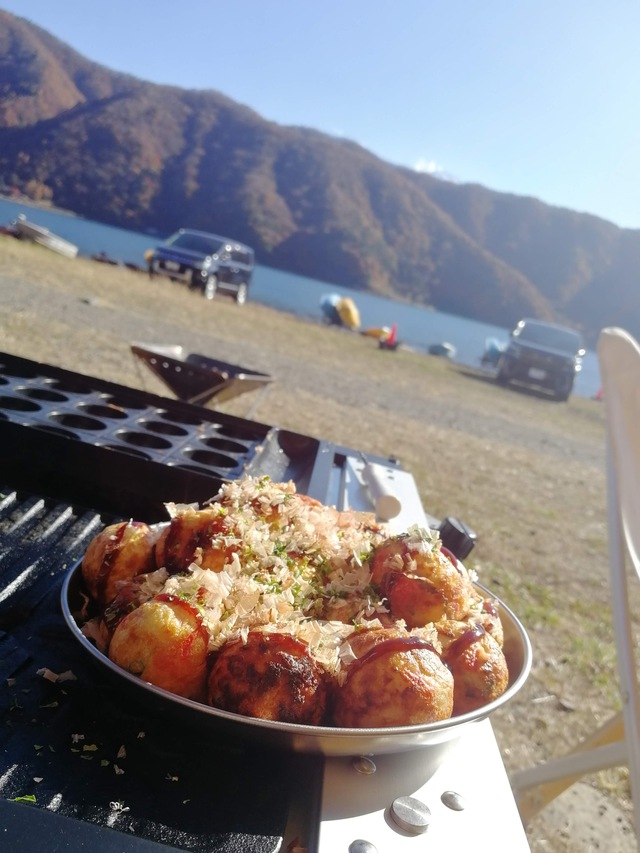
[(40, 538)]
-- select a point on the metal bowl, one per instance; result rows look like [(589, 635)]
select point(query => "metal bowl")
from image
[(327, 740)]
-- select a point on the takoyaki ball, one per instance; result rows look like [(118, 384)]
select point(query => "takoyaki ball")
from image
[(414, 599), (338, 609), (195, 536), (397, 680), (125, 601), (270, 676), (267, 504), (349, 609), (490, 620), (366, 522), (392, 555), (118, 553), (164, 642), (451, 595), (130, 595), (477, 664)]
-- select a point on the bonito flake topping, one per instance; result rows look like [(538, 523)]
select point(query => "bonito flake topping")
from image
[(287, 556)]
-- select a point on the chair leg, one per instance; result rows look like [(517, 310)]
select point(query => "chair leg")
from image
[(536, 787), (621, 613)]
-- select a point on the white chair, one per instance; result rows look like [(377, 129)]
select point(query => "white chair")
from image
[(617, 742)]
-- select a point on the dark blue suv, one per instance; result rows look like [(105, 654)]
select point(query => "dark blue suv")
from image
[(542, 355), (205, 262)]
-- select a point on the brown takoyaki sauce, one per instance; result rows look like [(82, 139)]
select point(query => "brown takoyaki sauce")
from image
[(468, 638), (489, 607), (391, 646), (109, 557), (175, 601)]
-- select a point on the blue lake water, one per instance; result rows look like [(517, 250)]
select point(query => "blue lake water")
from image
[(417, 327)]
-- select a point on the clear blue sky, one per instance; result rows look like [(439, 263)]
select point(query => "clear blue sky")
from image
[(533, 97)]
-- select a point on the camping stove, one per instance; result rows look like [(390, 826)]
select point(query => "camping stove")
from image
[(439, 798), (82, 764)]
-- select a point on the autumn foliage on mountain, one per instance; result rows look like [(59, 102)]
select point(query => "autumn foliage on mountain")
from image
[(143, 156)]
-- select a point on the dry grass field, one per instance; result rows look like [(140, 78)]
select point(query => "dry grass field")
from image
[(525, 472)]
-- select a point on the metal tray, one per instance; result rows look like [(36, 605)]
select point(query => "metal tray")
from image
[(329, 741), (196, 378), (125, 451)]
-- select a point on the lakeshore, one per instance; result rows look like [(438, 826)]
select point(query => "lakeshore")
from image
[(419, 327), (526, 473)]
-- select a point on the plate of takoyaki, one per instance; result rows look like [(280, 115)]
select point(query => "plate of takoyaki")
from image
[(274, 616)]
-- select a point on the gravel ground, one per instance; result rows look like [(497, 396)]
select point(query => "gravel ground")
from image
[(526, 473)]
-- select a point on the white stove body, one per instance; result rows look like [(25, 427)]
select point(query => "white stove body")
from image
[(458, 795)]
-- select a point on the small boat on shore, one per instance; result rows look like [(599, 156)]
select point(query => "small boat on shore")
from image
[(378, 332), (36, 233), (443, 349), (340, 311)]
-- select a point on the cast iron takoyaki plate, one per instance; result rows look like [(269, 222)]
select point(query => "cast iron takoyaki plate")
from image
[(327, 740)]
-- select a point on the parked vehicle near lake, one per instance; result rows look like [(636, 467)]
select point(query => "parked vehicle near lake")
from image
[(543, 355), (206, 262)]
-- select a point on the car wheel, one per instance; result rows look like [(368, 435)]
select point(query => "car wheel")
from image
[(210, 287), (241, 294), (502, 377), (563, 388)]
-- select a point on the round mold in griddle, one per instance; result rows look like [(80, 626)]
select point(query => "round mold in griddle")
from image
[(100, 411), (45, 394), (163, 428), (74, 421), (55, 430), (18, 404), (242, 433), (143, 439), (209, 458), (224, 444), (123, 403), (123, 448), (179, 417)]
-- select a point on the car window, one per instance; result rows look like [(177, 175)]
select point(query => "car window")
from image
[(240, 256), (195, 242), (553, 337)]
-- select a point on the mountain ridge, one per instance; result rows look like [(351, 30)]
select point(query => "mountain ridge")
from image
[(141, 155)]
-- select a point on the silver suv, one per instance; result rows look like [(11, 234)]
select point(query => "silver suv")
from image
[(205, 262), (542, 355)]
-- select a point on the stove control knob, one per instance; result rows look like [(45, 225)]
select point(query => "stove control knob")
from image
[(453, 800), (411, 814), (361, 846)]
